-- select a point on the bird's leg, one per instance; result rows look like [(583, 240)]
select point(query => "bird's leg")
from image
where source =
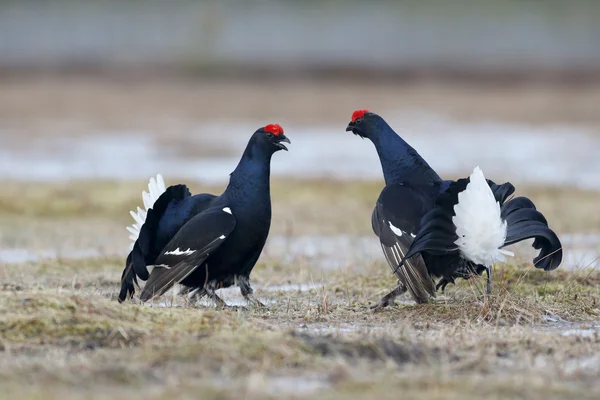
[(443, 283), (209, 289), (189, 291), (389, 298), (196, 294), (488, 289), (244, 283)]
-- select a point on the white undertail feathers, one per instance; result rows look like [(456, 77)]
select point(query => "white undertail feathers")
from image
[(480, 229), (156, 187)]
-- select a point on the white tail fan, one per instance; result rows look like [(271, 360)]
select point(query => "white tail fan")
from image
[(156, 187), (480, 229)]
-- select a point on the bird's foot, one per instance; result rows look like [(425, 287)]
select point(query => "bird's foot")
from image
[(389, 298), (244, 283), (443, 283), (254, 302), (384, 302), (210, 292), (220, 303)]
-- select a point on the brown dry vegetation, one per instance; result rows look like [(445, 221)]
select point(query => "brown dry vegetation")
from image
[(64, 336), (299, 206)]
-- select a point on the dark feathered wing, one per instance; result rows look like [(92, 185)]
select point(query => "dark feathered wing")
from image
[(395, 221), (190, 247), (437, 232)]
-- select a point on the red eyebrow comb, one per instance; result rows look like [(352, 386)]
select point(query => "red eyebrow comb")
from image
[(275, 129), (358, 114)]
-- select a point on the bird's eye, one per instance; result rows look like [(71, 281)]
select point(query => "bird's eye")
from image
[(358, 121), (270, 135)]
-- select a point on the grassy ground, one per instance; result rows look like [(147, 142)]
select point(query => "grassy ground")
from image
[(64, 336), (299, 206)]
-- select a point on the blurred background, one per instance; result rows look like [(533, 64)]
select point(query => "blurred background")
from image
[(125, 89), (117, 91)]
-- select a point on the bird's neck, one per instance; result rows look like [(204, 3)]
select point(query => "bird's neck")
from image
[(250, 181), (399, 161)]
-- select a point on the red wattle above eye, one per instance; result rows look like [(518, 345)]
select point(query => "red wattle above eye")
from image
[(358, 114), (275, 129)]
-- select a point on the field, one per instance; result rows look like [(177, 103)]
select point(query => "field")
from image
[(64, 336)]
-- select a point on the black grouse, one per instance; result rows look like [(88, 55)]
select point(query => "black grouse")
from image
[(205, 242), (429, 227)]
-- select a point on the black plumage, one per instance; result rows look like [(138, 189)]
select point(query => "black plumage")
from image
[(207, 242), (396, 231), (414, 218), (437, 235)]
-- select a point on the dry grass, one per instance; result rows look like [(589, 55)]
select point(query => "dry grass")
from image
[(299, 206), (64, 336)]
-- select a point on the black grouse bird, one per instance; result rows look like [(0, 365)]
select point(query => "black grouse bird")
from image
[(429, 227), (205, 242)]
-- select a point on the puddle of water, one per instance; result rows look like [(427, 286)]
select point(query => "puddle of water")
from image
[(451, 147)]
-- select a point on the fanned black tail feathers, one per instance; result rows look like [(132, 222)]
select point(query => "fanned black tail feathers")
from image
[(525, 222), (145, 250), (437, 234)]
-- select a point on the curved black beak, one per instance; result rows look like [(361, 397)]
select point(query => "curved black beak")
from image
[(284, 139), (354, 129)]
